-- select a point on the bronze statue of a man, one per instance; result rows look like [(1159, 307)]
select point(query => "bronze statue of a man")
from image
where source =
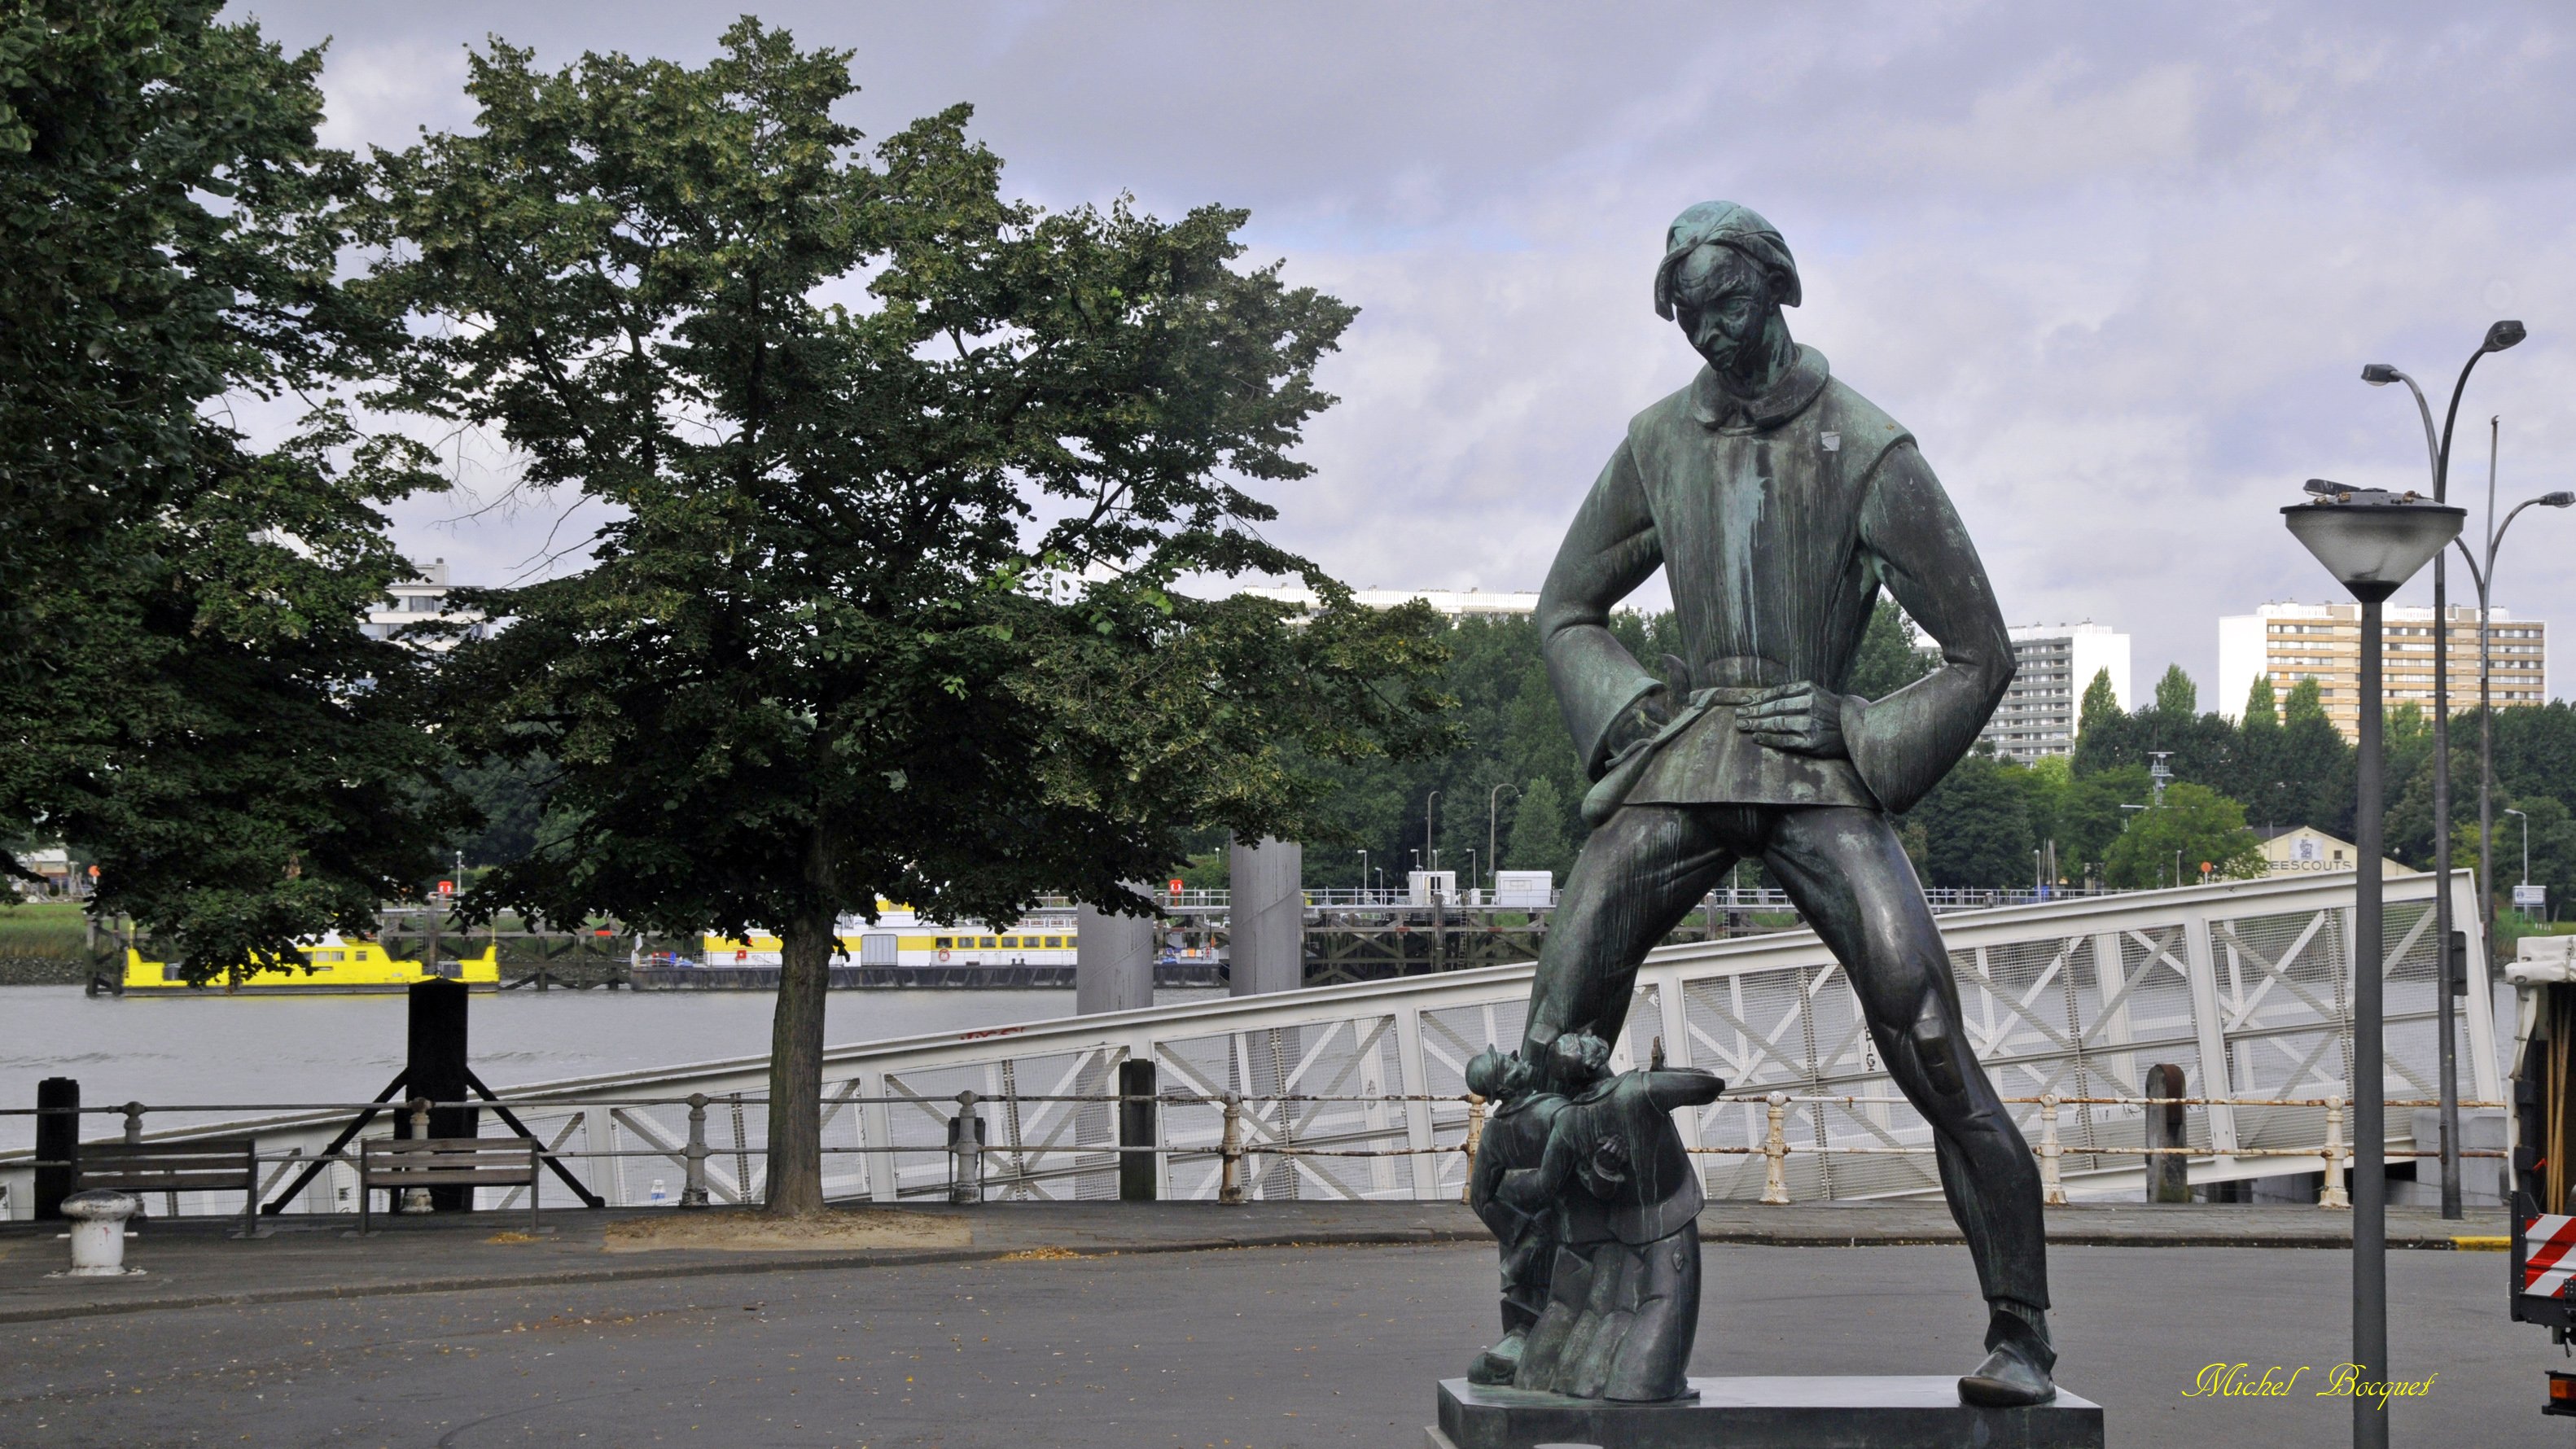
[(1779, 502)]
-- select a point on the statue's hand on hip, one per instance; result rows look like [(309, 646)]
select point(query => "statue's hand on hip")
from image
[(1801, 718)]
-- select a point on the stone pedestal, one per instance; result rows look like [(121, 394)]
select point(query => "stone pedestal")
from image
[(1763, 1413)]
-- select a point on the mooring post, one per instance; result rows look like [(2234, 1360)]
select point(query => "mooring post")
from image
[(1229, 1188), (2332, 1194), (2168, 1171), (435, 1071), (1475, 1139), (1775, 1150), (1138, 1133), (693, 1188), (2052, 1184), (417, 1199), (57, 1144), (966, 1152)]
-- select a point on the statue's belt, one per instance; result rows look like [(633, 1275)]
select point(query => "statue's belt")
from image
[(1604, 798)]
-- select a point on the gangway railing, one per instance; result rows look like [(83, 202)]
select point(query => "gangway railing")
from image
[(1358, 1091), (1238, 1162)]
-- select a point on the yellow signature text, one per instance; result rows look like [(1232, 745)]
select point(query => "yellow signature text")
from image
[(2281, 1381)]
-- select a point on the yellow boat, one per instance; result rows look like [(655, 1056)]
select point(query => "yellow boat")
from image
[(331, 965)]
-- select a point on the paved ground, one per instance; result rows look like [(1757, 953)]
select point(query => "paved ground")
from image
[(194, 1264), (1267, 1346)]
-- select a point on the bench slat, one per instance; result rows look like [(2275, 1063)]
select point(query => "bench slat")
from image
[(164, 1181), (456, 1177), (388, 1145)]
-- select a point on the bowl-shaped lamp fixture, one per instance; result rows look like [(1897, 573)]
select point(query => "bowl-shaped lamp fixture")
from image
[(2370, 540)]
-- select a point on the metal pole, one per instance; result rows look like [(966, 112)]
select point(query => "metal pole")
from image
[(2369, 1089), (1493, 803), (693, 1185), (1430, 851)]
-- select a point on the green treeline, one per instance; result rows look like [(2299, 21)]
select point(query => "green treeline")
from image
[(1514, 781)]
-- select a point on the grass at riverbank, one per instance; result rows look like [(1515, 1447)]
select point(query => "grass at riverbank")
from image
[(43, 928)]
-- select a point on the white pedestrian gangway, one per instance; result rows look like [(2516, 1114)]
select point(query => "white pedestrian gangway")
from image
[(2244, 985)]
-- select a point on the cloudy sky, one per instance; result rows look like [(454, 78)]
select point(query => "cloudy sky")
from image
[(2117, 267)]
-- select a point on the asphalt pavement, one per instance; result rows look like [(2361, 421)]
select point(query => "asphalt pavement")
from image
[(1165, 1344)]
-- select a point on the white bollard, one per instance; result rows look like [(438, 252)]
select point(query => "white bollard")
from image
[(98, 1232)]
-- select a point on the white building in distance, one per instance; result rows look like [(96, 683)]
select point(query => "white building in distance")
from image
[(2052, 665), (416, 601), (2289, 643)]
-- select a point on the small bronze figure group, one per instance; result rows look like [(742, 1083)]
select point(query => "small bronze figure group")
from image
[(1597, 1204)]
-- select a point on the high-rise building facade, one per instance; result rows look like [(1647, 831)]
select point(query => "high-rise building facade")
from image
[(2052, 665), (2290, 643)]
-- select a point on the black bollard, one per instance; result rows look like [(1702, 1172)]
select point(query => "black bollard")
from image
[(435, 1069), (57, 1142), (2168, 1173), (1135, 1130)]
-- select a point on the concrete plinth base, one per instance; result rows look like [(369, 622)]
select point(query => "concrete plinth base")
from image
[(1763, 1413)]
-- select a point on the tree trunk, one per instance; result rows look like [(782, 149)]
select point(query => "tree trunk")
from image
[(796, 1066)]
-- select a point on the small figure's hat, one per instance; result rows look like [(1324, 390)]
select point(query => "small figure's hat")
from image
[(1725, 224)]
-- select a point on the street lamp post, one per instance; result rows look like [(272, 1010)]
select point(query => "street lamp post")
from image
[(2372, 543), (2482, 573), (1493, 797), (1364, 873), (2500, 335)]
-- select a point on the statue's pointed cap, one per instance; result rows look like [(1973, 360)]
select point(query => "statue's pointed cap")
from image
[(1726, 224)]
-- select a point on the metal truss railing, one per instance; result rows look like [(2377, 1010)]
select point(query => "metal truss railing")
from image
[(1358, 1091)]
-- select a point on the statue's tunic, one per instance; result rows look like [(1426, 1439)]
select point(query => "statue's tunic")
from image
[(1777, 522)]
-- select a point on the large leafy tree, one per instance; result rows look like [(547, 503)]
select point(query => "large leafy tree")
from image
[(2168, 845), (184, 682), (1976, 827), (904, 474)]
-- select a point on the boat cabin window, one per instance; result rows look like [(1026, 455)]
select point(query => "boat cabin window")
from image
[(987, 943), (322, 958), (942, 942), (1054, 941)]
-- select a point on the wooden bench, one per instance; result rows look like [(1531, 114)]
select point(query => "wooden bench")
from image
[(207, 1164), (395, 1164)]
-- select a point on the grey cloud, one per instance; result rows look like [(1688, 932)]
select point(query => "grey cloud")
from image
[(2116, 266)]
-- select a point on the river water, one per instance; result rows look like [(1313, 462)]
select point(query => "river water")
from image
[(262, 1049)]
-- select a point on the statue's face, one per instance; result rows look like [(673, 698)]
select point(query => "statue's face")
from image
[(1723, 303)]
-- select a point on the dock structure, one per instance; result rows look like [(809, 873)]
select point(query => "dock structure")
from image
[(1356, 1091)]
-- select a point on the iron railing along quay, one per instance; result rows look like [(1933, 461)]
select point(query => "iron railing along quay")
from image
[(972, 1176)]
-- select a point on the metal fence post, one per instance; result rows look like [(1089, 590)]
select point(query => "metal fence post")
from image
[(693, 1186), (2332, 1195), (1775, 1150), (133, 1122), (2052, 1185), (1475, 1139), (1229, 1188), (416, 1199), (966, 1152)]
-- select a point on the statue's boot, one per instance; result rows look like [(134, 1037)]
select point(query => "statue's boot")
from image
[(1498, 1364), (2018, 1360)]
